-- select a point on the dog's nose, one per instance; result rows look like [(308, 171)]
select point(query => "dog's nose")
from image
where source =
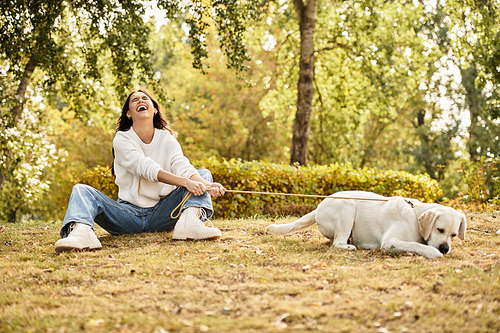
[(444, 248)]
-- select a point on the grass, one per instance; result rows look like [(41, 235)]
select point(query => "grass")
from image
[(248, 281)]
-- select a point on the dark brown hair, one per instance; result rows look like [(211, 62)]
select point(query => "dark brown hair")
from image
[(159, 120), (125, 123)]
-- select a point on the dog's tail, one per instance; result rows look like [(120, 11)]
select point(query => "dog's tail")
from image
[(302, 223)]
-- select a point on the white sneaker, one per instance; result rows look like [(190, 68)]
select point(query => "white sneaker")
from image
[(81, 237), (190, 227)]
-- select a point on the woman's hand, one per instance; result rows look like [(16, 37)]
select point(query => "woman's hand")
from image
[(197, 188), (216, 190)]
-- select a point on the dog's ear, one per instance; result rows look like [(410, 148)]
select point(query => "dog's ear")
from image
[(462, 228), (426, 223)]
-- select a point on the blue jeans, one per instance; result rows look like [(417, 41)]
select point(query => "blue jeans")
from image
[(88, 205)]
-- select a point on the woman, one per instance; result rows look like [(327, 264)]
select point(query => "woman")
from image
[(153, 178)]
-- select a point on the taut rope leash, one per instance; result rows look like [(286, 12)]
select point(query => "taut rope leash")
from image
[(179, 207), (307, 195)]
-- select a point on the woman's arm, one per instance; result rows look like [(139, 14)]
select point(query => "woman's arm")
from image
[(195, 184)]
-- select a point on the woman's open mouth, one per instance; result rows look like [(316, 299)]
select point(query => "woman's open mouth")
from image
[(142, 108)]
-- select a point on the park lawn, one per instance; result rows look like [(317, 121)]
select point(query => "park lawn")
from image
[(248, 281)]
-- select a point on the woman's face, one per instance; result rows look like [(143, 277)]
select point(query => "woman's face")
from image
[(140, 107)]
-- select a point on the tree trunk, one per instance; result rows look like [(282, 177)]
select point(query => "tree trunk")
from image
[(306, 15), (12, 215), (473, 100)]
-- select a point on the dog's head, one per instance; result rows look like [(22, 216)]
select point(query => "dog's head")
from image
[(439, 225)]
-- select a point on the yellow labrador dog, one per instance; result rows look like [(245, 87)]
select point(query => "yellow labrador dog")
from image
[(389, 223)]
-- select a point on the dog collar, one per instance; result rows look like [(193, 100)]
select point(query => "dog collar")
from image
[(409, 203)]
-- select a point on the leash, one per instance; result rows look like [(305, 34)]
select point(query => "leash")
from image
[(179, 206), (307, 195), (188, 195)]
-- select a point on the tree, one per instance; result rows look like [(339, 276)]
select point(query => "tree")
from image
[(218, 114), (66, 41), (306, 15), (472, 29), (232, 19), (69, 46), (366, 79)]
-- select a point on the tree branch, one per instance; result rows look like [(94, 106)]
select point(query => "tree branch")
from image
[(333, 47), (23, 86), (299, 10)]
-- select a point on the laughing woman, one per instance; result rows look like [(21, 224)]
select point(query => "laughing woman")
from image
[(153, 178)]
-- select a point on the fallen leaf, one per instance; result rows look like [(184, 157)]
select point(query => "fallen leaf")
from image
[(257, 250), (317, 304), (319, 265), (96, 323), (159, 329), (408, 305), (187, 323), (203, 328), (279, 321)]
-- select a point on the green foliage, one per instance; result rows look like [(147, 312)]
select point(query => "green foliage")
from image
[(218, 114), (86, 145), (68, 40), (375, 66), (100, 178), (316, 180), (231, 19), (468, 33), (367, 77), (436, 150), (81, 57), (477, 36), (62, 50), (26, 155), (482, 183), (282, 178)]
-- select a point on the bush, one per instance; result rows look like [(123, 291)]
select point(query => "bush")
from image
[(315, 180), (280, 178), (481, 180), (100, 178)]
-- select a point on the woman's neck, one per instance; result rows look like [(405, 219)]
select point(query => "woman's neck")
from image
[(145, 132)]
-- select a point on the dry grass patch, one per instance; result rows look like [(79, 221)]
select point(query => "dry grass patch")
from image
[(246, 281)]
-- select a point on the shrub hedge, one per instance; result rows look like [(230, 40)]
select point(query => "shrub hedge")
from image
[(100, 178), (281, 178)]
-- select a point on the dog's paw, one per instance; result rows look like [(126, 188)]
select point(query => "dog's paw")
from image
[(272, 228), (431, 253), (344, 246)]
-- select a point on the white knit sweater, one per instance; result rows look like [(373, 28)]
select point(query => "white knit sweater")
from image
[(137, 165)]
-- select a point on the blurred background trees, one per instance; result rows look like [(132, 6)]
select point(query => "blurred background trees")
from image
[(402, 85)]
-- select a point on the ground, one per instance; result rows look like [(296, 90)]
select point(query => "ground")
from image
[(248, 281)]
